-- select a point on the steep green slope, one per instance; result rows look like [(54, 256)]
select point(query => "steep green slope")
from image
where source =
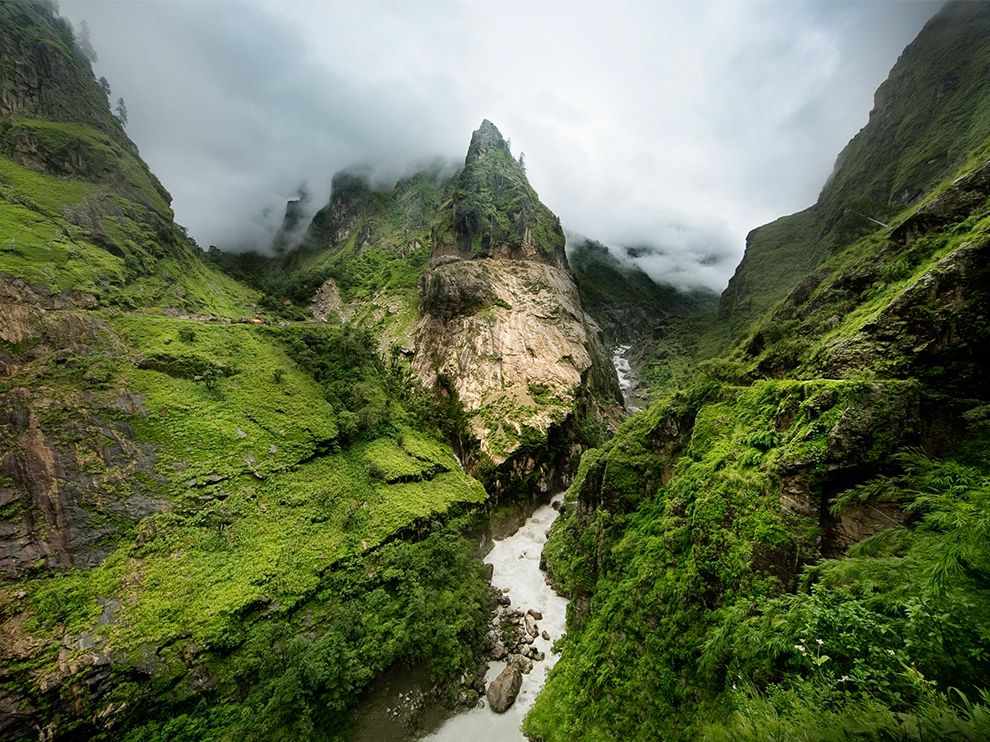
[(211, 527), (794, 546), (797, 543), (81, 211), (928, 117)]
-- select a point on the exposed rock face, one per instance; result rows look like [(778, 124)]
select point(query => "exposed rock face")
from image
[(326, 301), (64, 484), (509, 337), (503, 328), (485, 138), (293, 223), (503, 689)]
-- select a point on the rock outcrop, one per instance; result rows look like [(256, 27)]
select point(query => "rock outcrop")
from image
[(503, 329), (66, 485)]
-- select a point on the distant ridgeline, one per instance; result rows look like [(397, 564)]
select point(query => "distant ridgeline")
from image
[(795, 546)]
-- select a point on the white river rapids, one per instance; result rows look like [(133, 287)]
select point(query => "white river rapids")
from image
[(516, 565)]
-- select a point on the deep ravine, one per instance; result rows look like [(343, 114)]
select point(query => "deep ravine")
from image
[(515, 560)]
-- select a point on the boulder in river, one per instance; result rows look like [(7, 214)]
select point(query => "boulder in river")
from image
[(525, 664), (531, 627), (503, 690)]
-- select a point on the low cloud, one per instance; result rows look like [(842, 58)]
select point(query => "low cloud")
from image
[(680, 126)]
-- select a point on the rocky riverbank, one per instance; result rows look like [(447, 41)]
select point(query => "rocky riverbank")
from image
[(527, 617)]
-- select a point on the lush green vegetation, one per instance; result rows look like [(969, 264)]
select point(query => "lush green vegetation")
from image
[(793, 543), (492, 205), (372, 243), (296, 676), (930, 117), (289, 461), (40, 41), (692, 620), (266, 517), (794, 547)]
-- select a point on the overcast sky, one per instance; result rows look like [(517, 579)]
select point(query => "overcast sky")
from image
[(679, 125)]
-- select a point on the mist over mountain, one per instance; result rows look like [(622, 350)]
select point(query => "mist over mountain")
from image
[(457, 439), (680, 125)]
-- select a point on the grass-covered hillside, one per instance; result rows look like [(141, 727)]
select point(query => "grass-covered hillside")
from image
[(794, 545), (224, 484), (928, 118), (212, 525), (80, 210)]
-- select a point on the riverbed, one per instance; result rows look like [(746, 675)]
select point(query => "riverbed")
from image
[(627, 379), (515, 562)]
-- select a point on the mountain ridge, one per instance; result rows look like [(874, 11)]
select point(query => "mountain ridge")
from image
[(907, 148)]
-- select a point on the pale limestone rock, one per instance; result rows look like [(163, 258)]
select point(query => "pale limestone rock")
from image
[(509, 336)]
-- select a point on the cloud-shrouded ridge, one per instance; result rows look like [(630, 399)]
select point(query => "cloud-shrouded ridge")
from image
[(678, 126)]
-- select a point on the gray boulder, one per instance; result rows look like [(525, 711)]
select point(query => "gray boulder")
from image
[(503, 690)]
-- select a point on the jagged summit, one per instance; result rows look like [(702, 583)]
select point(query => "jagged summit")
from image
[(495, 209), (485, 138)]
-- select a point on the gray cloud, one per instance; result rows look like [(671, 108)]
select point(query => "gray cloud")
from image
[(680, 126)]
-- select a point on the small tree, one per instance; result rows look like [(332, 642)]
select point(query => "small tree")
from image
[(211, 380), (105, 85), (122, 111), (522, 161)]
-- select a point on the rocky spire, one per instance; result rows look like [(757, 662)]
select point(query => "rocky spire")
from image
[(485, 138)]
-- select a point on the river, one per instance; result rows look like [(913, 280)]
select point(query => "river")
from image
[(627, 379), (515, 562)]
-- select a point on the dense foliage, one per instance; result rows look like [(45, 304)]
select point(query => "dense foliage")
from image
[(295, 677)]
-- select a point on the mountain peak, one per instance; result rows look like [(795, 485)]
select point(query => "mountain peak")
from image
[(485, 138)]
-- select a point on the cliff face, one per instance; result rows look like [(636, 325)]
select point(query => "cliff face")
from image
[(503, 328)]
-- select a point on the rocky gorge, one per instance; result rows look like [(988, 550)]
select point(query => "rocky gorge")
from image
[(317, 492)]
